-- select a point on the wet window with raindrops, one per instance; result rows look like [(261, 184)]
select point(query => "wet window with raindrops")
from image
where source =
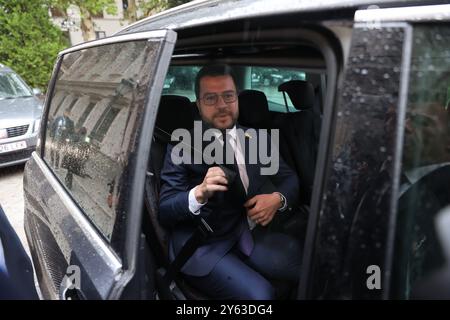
[(91, 130), (424, 190)]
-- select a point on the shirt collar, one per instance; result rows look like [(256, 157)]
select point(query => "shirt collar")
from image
[(231, 132)]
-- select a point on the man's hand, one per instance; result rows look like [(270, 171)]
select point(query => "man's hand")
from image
[(215, 180), (262, 208)]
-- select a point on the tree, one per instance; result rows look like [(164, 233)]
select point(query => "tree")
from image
[(29, 41), (88, 8), (130, 10)]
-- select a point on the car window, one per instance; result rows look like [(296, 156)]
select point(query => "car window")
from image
[(11, 86), (267, 80), (180, 80), (425, 177), (90, 131)]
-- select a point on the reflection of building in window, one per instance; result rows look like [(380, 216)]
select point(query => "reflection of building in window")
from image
[(63, 103), (105, 121), (85, 114), (100, 34), (72, 104)]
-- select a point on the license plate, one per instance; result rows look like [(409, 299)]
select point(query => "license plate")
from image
[(12, 146)]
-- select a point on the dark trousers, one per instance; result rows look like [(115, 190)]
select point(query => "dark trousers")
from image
[(275, 256)]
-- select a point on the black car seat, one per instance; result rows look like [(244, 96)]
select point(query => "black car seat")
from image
[(301, 130), (254, 113)]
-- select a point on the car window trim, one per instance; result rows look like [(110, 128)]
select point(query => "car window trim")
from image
[(398, 153), (47, 103), (147, 35), (136, 202)]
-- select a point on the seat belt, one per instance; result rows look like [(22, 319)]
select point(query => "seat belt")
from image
[(165, 278)]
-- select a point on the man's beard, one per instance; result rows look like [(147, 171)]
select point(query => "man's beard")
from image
[(227, 113)]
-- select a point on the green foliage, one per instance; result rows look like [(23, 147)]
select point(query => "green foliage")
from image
[(154, 6), (93, 6), (29, 42)]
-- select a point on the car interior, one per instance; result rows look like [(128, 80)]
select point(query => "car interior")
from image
[(281, 85)]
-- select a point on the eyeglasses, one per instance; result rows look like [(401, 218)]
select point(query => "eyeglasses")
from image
[(211, 99)]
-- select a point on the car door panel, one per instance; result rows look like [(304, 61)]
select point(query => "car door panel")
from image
[(81, 216)]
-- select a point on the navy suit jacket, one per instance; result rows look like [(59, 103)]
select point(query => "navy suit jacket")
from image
[(224, 211)]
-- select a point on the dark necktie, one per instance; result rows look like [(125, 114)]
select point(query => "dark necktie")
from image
[(231, 169), (245, 243)]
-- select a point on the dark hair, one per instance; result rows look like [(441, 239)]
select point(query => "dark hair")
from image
[(212, 70)]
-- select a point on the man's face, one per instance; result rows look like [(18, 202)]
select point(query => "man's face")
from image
[(217, 103)]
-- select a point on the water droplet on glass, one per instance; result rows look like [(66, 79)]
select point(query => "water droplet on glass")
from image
[(364, 71), (383, 149), (386, 76)]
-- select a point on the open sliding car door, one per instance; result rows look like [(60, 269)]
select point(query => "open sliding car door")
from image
[(84, 185)]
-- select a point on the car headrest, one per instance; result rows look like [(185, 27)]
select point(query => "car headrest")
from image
[(254, 109), (174, 112), (300, 92)]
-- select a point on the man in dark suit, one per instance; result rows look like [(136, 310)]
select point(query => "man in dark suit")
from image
[(238, 259), (16, 271)]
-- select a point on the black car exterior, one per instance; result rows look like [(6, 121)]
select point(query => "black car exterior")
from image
[(90, 208)]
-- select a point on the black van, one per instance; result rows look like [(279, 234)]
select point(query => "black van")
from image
[(359, 91)]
